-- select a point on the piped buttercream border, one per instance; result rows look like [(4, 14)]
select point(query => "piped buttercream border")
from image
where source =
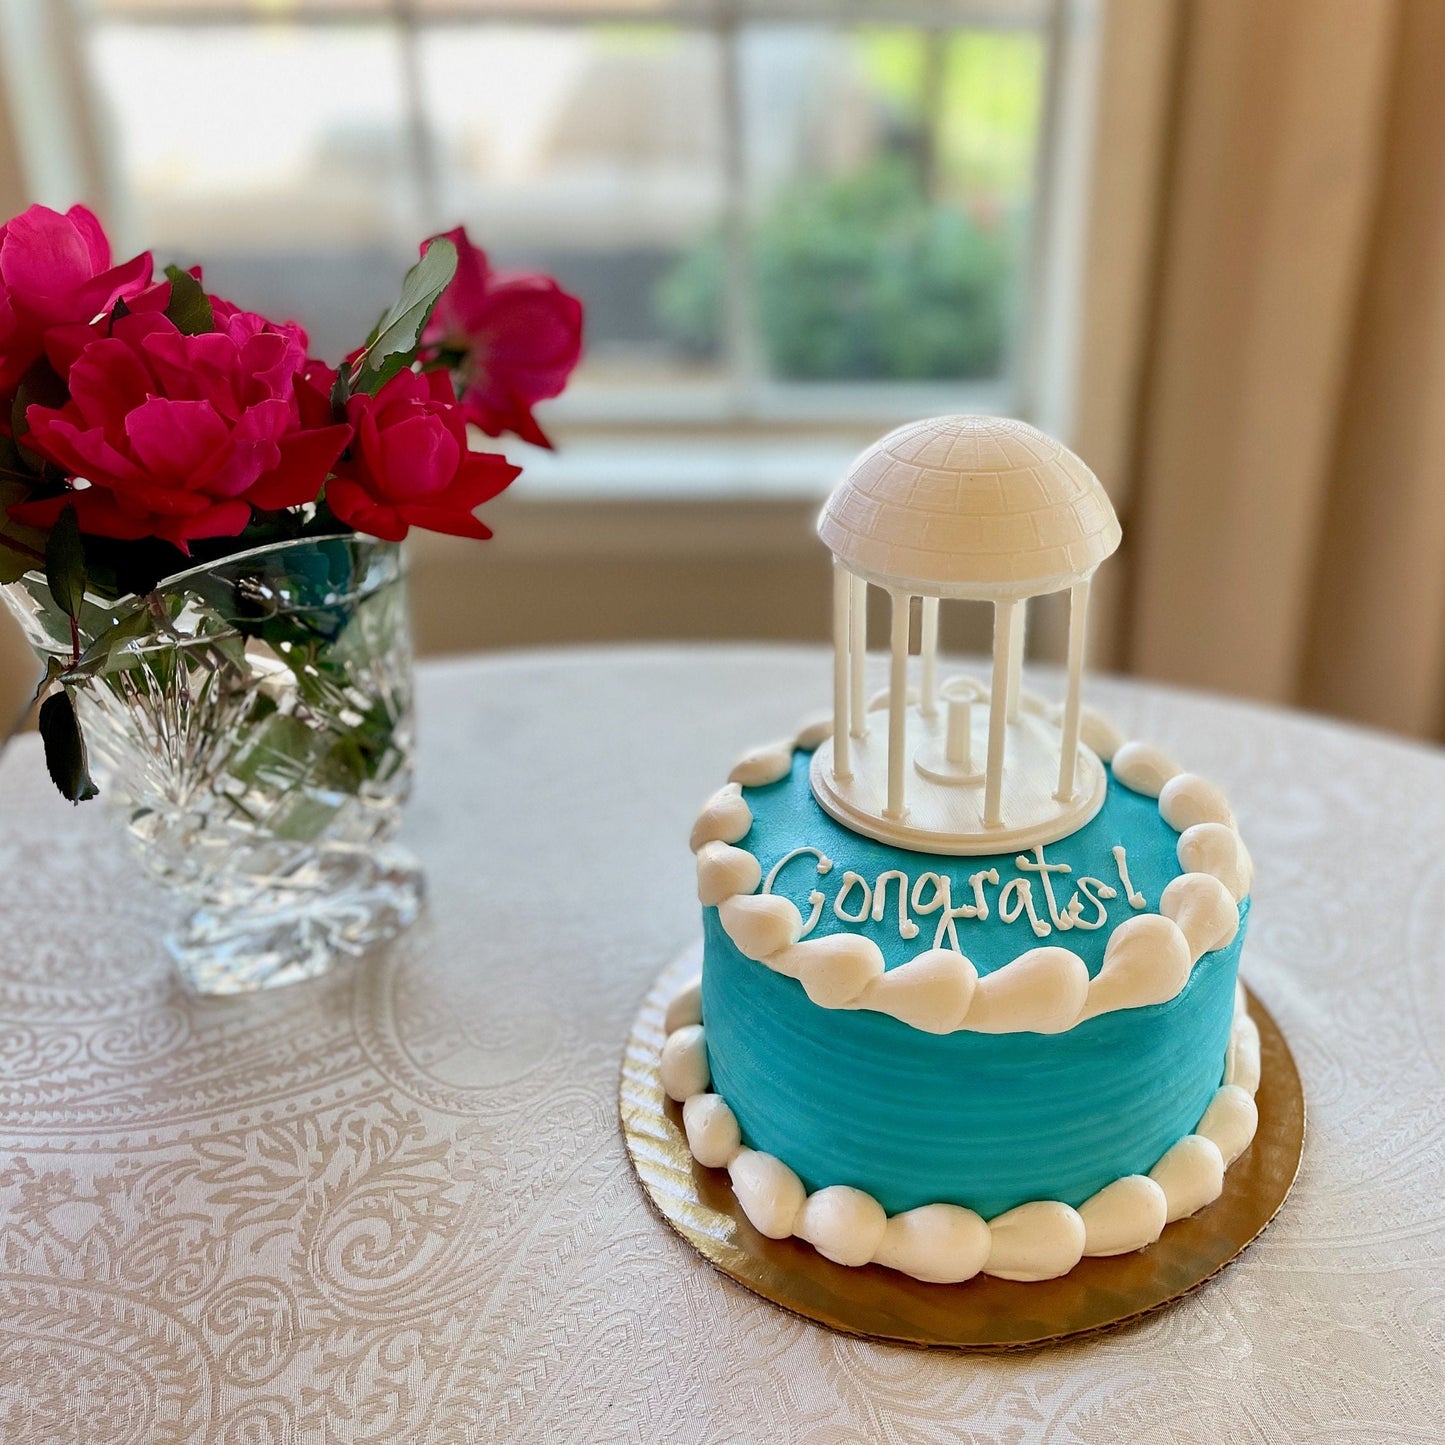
[(1147, 960), (946, 1243)]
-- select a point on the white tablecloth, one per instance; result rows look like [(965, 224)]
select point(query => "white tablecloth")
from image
[(394, 1204)]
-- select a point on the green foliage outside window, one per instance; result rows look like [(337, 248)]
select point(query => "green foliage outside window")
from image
[(862, 277)]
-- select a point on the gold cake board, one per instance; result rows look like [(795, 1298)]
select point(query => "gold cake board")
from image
[(983, 1313)]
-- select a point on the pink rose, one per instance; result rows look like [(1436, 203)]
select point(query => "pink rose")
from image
[(179, 437), (409, 465), (522, 335), (55, 273)]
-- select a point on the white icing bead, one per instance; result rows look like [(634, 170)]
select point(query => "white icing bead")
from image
[(932, 992), (842, 1224), (684, 1063), (1041, 991), (1230, 1121), (1241, 998), (1039, 1240), (1213, 848), (1205, 911), (770, 1193), (725, 817), (712, 1130), (760, 923), (1146, 962), (815, 730), (1123, 1216), (835, 969), (686, 1006), (1191, 1174), (1241, 1063), (1100, 734), (1189, 799), (723, 870), (939, 1243), (1143, 768), (764, 765)]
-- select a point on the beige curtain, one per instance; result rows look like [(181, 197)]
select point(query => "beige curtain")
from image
[(1271, 386)]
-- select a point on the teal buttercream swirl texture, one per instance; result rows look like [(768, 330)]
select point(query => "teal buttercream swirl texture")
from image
[(987, 1121)]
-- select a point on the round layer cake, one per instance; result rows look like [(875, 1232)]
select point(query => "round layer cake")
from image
[(948, 1064)]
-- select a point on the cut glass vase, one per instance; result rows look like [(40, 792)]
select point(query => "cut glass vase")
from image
[(255, 734)]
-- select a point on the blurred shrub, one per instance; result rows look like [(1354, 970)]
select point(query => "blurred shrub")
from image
[(860, 277)]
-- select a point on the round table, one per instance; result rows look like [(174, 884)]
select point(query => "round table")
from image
[(394, 1204)]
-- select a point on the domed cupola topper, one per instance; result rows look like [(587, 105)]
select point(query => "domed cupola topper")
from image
[(970, 508)]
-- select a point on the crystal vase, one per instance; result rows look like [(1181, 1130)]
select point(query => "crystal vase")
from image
[(254, 732)]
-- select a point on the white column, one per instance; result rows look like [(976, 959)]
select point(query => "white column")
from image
[(897, 703), (928, 647), (958, 739), (1078, 627), (858, 658), (1005, 626), (1016, 660), (842, 597)]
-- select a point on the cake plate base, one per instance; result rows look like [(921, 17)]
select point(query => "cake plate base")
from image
[(983, 1313)]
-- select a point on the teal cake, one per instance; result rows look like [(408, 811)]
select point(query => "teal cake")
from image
[(1064, 1124), (969, 1000), (984, 1120)]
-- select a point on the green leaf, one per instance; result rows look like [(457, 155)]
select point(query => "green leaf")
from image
[(18, 424), (41, 386), (22, 549), (65, 755), (340, 394), (54, 670), (189, 307), (32, 461), (276, 754), (232, 647), (13, 565), (132, 568), (12, 464), (393, 341), (65, 563), (373, 379), (98, 657)]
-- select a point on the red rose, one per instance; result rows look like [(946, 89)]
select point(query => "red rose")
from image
[(178, 437), (522, 335), (55, 273), (409, 465)]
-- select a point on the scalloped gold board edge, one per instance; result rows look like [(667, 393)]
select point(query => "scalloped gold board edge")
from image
[(983, 1313)]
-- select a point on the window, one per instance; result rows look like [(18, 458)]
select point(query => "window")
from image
[(786, 217)]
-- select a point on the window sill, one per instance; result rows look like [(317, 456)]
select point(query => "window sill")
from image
[(680, 469)]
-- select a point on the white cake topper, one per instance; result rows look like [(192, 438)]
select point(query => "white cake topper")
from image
[(968, 508)]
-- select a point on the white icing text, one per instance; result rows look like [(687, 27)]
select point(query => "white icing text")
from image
[(1045, 895)]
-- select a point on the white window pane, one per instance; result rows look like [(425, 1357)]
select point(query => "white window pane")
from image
[(929, 14), (595, 153), (570, 9), (223, 10), (275, 154)]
